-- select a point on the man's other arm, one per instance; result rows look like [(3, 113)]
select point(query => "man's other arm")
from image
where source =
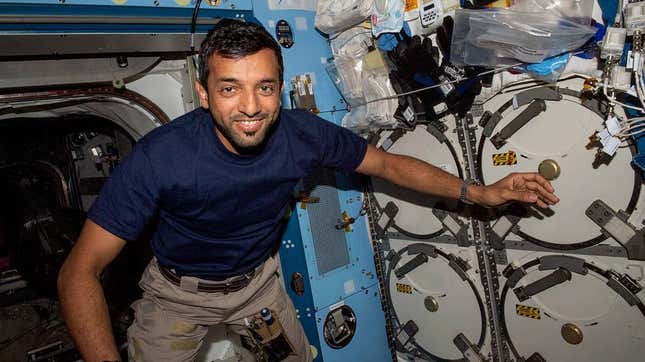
[(81, 294), (420, 176)]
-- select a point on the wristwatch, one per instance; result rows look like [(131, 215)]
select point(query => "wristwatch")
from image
[(464, 188)]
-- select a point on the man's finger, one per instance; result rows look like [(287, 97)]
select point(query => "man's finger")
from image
[(549, 197), (536, 177), (522, 196), (529, 197), (541, 204)]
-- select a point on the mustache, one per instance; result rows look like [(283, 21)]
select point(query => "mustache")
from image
[(257, 117)]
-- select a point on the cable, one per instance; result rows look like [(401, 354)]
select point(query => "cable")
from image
[(193, 24), (438, 85), (618, 20), (612, 99), (632, 134), (639, 83)]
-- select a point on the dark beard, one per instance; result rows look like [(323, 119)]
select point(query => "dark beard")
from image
[(248, 150)]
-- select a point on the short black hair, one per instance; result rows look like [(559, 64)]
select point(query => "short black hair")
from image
[(235, 39)]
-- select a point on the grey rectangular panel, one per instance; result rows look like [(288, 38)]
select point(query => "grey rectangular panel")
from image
[(26, 45), (330, 244)]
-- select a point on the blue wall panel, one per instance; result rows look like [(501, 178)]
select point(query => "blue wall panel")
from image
[(291, 255), (356, 283), (370, 341)]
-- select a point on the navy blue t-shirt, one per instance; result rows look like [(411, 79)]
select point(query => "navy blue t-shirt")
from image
[(219, 214)]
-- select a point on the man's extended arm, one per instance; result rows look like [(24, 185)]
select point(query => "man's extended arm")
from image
[(420, 176), (81, 295)]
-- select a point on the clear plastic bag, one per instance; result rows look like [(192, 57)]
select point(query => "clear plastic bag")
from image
[(505, 37), (353, 42), (360, 87), (333, 16), (578, 11), (376, 85), (346, 73)]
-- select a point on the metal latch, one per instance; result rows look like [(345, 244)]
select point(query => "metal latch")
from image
[(411, 265), (297, 284), (533, 110), (616, 225), (387, 217), (456, 227), (513, 274), (345, 222), (305, 198), (406, 334), (501, 229), (468, 349), (625, 286), (559, 276)]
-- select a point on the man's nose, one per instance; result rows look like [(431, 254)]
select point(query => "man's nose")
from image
[(249, 104)]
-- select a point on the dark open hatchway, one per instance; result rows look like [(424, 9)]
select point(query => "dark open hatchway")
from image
[(57, 148)]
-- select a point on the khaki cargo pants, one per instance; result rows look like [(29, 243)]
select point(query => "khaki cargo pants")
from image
[(171, 321)]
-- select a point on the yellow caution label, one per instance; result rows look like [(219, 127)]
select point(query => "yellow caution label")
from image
[(504, 159), (403, 288), (411, 5), (526, 311), (500, 4)]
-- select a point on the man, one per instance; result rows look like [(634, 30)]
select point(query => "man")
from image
[(217, 182)]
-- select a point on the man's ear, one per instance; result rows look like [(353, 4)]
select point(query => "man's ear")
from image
[(282, 87), (202, 93)]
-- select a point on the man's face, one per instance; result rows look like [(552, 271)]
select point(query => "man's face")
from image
[(243, 97)]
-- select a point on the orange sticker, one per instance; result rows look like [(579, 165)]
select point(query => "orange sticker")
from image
[(411, 5)]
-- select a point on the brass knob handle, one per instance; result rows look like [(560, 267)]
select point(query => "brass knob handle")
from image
[(432, 305), (549, 169), (571, 333)]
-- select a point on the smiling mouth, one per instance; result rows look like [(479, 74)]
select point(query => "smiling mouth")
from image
[(249, 126)]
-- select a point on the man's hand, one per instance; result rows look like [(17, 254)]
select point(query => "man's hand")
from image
[(529, 188)]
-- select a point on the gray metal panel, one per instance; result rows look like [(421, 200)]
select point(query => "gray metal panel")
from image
[(35, 73), (14, 45), (66, 19), (330, 245)]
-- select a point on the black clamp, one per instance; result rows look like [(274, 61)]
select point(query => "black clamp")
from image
[(459, 265), (468, 349), (414, 263), (513, 274), (455, 226), (559, 276), (387, 217), (533, 110), (625, 286)]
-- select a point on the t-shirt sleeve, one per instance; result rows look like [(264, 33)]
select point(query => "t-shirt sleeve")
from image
[(340, 148), (129, 198)]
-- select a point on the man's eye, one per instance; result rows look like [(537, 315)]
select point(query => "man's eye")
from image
[(266, 89), (227, 90)]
